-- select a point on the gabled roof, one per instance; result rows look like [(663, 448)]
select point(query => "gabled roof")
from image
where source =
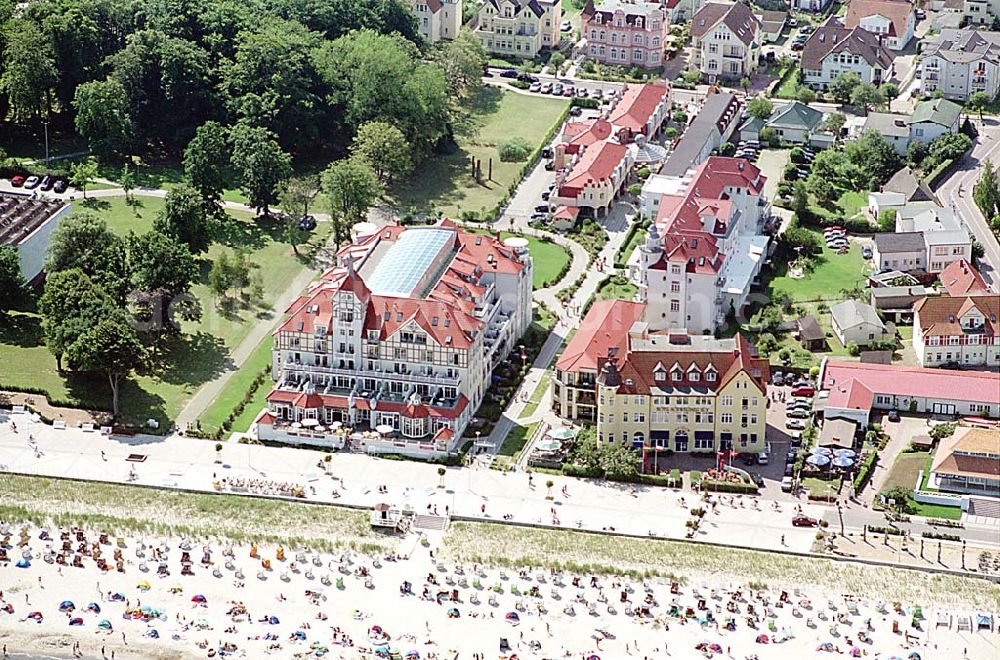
[(637, 105), (597, 164), (969, 453), (907, 182), (889, 124), (632, 10), (919, 382), (963, 46), (714, 118), (961, 278), (809, 329), (605, 327), (896, 11), (773, 21), (796, 115), (941, 316), (735, 16), (936, 111), (832, 37), (851, 313), (910, 241), (521, 6)]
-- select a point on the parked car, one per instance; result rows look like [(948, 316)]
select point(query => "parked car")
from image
[(789, 469), (798, 45), (508, 73), (542, 208), (806, 29), (795, 424), (539, 216), (757, 479), (762, 458), (804, 390), (60, 186), (921, 14), (32, 182), (557, 89), (527, 77), (582, 92), (786, 484), (546, 195), (748, 459), (791, 456), (800, 413), (866, 251), (17, 181), (778, 378), (47, 182), (831, 228), (569, 92), (893, 416), (597, 94), (804, 521), (566, 26), (575, 111), (535, 87), (546, 88), (549, 165)]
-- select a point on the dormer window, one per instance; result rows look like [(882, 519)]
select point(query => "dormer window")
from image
[(710, 376), (660, 375), (676, 375)]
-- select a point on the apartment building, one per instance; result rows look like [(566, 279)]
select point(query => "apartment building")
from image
[(834, 49), (437, 19), (713, 125), (595, 179), (957, 330), (625, 34), (401, 336), (981, 12), (725, 40), (518, 28), (930, 120), (682, 393), (928, 237), (705, 247), (893, 21), (26, 225), (959, 63)]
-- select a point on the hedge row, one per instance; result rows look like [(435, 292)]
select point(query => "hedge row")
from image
[(941, 537), (58, 403), (571, 470), (891, 531), (728, 487), (865, 472), (621, 257), (938, 172)]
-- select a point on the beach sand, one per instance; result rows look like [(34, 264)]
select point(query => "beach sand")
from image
[(418, 624)]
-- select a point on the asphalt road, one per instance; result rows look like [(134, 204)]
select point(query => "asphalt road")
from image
[(956, 192)]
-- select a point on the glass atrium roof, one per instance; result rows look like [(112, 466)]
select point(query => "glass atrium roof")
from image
[(404, 266)]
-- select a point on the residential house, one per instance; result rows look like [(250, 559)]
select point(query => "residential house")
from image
[(968, 462), (857, 323), (705, 247), (853, 390), (945, 239), (905, 251), (795, 122), (642, 109), (981, 12), (625, 34), (437, 19), (595, 179), (604, 330), (682, 393), (816, 6), (958, 330), (833, 49), (519, 28), (896, 302), (959, 63), (404, 333), (811, 335), (909, 184), (712, 127), (893, 21), (26, 225), (725, 40), (681, 11), (772, 23), (960, 278), (930, 119)]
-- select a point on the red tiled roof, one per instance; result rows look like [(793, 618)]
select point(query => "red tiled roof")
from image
[(605, 326), (902, 381), (577, 134), (566, 213), (961, 278), (969, 453), (444, 433), (297, 399), (637, 105), (897, 11), (941, 316), (597, 164), (853, 395)]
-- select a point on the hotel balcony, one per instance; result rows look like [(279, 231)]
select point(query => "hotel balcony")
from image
[(411, 376)]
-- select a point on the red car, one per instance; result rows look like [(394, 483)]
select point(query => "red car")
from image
[(804, 521), (804, 391), (17, 181)]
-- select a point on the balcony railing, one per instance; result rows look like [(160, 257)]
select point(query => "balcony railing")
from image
[(417, 377)]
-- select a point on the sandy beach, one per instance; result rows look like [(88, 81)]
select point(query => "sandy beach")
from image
[(285, 602)]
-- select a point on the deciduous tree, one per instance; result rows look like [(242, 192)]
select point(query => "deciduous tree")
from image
[(84, 241), (29, 70), (260, 163), (986, 192), (463, 60), (102, 117), (351, 187), (110, 347), (843, 86), (70, 303), (206, 160), (12, 282), (761, 108), (385, 148), (185, 218), (83, 174)]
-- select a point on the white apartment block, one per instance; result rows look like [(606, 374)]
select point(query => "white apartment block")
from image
[(726, 41), (437, 19), (958, 330), (705, 248), (403, 334), (519, 28), (834, 49), (959, 63)]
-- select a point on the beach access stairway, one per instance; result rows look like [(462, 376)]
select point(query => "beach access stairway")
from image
[(986, 507), (424, 521)]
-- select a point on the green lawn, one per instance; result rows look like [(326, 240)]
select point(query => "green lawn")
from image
[(821, 487), (236, 388), (830, 274), (904, 470), (538, 394), (444, 183), (937, 511), (789, 86), (850, 204), (615, 287), (182, 363)]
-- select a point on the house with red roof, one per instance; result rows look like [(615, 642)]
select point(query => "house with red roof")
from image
[(960, 278), (892, 21), (437, 19), (957, 330), (399, 338), (625, 34), (641, 109), (595, 179), (852, 390), (705, 248)]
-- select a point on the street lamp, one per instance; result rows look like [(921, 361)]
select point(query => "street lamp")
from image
[(840, 514), (46, 123)]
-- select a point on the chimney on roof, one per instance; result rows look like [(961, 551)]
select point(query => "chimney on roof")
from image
[(350, 264)]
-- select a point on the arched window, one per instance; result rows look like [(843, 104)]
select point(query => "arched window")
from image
[(639, 438)]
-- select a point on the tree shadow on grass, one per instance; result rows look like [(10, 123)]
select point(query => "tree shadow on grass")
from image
[(96, 204), (191, 359), (24, 330), (473, 116), (251, 235)]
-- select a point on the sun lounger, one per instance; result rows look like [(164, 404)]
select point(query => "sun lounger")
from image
[(964, 623), (87, 428), (943, 619), (59, 425)]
